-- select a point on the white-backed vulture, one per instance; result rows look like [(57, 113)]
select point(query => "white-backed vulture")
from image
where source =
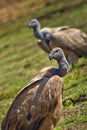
[(72, 41), (38, 105)]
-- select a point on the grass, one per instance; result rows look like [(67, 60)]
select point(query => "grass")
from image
[(21, 59)]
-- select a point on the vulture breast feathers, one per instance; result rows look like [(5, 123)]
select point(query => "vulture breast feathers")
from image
[(38, 105)]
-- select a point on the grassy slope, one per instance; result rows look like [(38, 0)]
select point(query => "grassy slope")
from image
[(19, 62)]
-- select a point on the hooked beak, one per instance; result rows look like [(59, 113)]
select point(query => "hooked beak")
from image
[(29, 25), (50, 57)]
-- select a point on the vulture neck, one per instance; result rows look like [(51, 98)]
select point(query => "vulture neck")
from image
[(38, 34), (62, 67)]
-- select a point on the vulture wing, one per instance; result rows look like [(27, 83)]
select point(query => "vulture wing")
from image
[(70, 39), (53, 30), (32, 105)]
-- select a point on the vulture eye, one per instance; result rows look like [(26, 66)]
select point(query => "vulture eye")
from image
[(56, 51)]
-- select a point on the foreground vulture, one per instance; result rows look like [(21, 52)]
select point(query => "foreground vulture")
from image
[(71, 40), (38, 105)]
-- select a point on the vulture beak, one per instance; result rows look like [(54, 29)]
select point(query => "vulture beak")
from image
[(50, 57), (29, 25)]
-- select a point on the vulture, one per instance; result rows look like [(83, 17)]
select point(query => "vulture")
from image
[(38, 106), (73, 41)]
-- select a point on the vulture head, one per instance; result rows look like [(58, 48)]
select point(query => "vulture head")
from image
[(56, 53), (34, 23)]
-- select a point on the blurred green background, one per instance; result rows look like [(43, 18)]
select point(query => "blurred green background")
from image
[(21, 58)]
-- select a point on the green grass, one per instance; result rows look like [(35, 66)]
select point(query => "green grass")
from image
[(21, 59)]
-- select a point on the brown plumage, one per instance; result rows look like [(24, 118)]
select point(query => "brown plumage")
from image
[(72, 41), (28, 113), (38, 105)]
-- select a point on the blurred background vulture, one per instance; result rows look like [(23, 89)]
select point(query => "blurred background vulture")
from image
[(71, 40), (38, 105)]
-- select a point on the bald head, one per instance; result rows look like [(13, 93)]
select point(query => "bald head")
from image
[(34, 23), (56, 53)]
